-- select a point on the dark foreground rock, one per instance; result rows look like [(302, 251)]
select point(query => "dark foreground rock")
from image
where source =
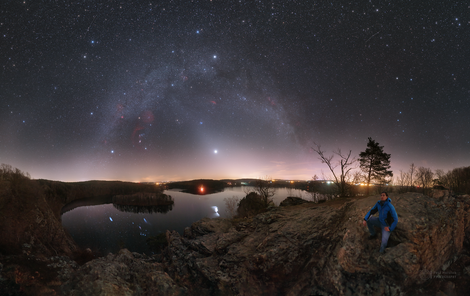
[(121, 274), (306, 249), (30, 220)]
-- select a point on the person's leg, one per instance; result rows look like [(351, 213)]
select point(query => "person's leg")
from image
[(385, 236), (373, 221)]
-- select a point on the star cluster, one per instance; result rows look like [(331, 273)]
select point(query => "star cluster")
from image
[(171, 90)]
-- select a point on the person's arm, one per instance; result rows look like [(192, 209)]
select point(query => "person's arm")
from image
[(394, 216), (371, 212)]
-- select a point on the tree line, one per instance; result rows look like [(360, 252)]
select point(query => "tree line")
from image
[(457, 180), (374, 169), (374, 166)]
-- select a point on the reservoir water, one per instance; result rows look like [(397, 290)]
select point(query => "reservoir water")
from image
[(103, 228)]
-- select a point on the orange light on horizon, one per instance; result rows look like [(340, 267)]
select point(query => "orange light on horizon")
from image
[(201, 189)]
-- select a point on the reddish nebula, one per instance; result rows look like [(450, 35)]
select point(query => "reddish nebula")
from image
[(147, 116), (135, 138)]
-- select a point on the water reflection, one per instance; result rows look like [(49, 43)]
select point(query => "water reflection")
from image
[(143, 209), (216, 211), (86, 202), (107, 227), (131, 204)]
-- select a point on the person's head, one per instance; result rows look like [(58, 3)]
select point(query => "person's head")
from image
[(383, 196)]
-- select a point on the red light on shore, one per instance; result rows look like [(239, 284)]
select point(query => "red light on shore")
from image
[(201, 189)]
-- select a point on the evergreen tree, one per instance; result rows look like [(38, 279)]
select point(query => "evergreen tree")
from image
[(375, 163)]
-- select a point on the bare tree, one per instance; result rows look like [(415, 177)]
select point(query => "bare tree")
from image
[(345, 164), (403, 178), (357, 177), (231, 204), (439, 173), (7, 172), (403, 181), (412, 171), (457, 180), (424, 177), (264, 188)]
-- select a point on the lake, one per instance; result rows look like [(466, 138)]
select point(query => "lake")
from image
[(99, 225)]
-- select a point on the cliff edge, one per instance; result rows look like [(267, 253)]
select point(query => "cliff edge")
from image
[(306, 249), (297, 249)]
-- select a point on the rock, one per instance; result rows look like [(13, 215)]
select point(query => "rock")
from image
[(30, 222), (64, 266), (121, 274), (251, 205), (316, 249), (467, 270), (292, 201), (206, 225)]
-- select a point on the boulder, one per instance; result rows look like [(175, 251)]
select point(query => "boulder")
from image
[(121, 274), (292, 201)]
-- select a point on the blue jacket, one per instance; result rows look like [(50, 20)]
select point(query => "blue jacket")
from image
[(387, 214)]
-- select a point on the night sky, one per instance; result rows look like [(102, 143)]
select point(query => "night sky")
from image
[(178, 90)]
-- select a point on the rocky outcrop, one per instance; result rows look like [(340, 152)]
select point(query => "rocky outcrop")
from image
[(293, 201), (28, 222), (318, 250), (305, 249), (125, 273)]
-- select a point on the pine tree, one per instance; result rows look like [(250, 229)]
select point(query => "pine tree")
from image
[(375, 163)]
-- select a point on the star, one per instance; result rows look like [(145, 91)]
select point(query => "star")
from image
[(159, 66)]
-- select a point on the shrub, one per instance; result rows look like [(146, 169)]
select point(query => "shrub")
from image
[(231, 204), (251, 205)]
